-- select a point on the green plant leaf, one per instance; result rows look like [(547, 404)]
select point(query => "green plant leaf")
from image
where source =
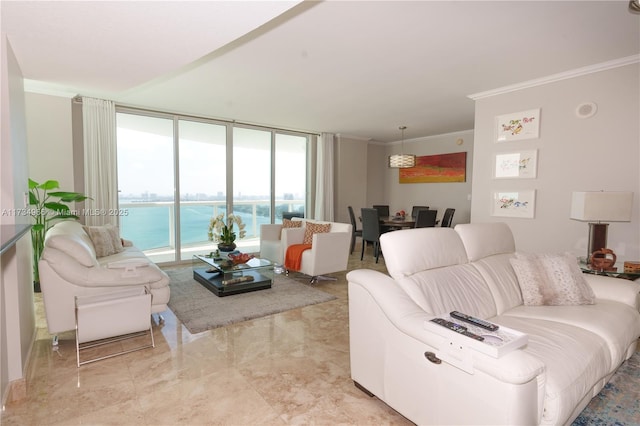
[(36, 228), (57, 207), (33, 199), (33, 184), (49, 185)]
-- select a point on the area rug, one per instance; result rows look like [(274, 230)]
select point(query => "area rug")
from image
[(618, 403), (200, 310)]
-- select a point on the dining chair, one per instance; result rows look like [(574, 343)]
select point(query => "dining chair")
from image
[(414, 210), (354, 231), (383, 210), (447, 218), (426, 218), (370, 231)]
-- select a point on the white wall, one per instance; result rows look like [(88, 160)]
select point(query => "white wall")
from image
[(574, 154), (350, 174), (17, 314), (437, 196), (50, 139)]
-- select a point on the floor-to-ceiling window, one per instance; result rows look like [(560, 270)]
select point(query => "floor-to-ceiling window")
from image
[(202, 149), (175, 173), (290, 167)]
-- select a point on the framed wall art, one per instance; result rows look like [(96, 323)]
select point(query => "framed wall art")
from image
[(516, 164), (518, 126), (436, 168), (514, 203)]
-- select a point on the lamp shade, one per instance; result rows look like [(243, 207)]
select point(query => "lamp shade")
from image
[(402, 161), (601, 206)]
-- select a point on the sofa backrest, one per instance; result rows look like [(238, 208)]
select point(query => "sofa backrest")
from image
[(335, 226), (489, 247), (69, 237), (431, 265)]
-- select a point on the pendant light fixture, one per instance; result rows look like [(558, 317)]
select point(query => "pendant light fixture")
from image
[(402, 160)]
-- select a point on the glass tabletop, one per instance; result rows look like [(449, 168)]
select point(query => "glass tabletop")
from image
[(617, 270), (224, 264)]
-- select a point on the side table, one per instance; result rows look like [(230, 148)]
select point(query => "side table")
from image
[(111, 317), (619, 271)]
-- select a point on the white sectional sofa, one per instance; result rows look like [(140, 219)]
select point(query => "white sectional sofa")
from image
[(571, 353), (69, 267)]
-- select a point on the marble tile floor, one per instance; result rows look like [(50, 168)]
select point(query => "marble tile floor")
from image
[(287, 368)]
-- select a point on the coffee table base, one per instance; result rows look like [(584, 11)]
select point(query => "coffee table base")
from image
[(213, 282)]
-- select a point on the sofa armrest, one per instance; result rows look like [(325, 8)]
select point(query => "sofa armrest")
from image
[(615, 289), (99, 276), (516, 367)]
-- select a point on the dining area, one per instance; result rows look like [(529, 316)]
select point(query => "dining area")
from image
[(377, 219)]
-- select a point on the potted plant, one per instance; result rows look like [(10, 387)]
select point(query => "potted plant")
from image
[(47, 207), (223, 233)]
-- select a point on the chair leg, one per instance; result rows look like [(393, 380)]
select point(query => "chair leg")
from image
[(364, 244), (317, 278), (353, 243), (376, 247)]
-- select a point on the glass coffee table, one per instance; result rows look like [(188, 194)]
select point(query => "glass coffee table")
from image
[(223, 278)]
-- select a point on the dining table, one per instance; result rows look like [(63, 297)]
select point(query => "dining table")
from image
[(398, 221)]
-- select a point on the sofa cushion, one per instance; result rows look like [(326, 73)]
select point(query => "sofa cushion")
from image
[(76, 245), (551, 279), (575, 359), (288, 223), (412, 250), (616, 323), (486, 239), (311, 228), (442, 290), (106, 239)]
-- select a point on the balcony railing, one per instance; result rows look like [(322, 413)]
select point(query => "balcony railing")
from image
[(152, 225)]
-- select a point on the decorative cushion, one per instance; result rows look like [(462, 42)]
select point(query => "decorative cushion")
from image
[(106, 239), (75, 247), (551, 279), (314, 228), (288, 223)]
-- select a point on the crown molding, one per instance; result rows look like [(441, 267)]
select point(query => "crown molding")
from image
[(44, 88), (603, 66)]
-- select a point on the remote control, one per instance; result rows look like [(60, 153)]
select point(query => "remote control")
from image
[(457, 328), (475, 321)]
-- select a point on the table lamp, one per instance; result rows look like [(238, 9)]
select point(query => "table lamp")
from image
[(597, 207)]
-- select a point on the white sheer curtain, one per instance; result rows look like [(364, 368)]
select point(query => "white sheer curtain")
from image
[(100, 162), (324, 178)]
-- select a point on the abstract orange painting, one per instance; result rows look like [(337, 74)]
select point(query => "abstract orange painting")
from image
[(436, 168)]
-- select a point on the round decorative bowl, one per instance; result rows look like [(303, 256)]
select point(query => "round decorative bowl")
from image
[(240, 258)]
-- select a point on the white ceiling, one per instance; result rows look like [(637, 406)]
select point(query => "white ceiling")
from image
[(359, 68)]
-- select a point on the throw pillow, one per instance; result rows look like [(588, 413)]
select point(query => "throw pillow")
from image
[(106, 239), (288, 223), (551, 279), (314, 228)]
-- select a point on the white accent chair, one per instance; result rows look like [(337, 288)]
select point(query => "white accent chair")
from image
[(329, 252)]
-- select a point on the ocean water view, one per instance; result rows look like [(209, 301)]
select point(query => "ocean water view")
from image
[(150, 227)]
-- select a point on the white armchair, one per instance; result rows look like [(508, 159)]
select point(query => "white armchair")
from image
[(329, 251)]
